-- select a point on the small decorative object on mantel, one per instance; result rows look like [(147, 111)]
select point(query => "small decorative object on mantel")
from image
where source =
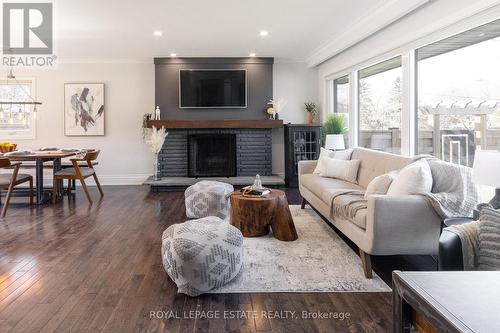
[(270, 110), (157, 113), (155, 142), (278, 105), (312, 111)]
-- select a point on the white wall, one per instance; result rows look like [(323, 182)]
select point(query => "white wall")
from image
[(129, 93), (296, 83)]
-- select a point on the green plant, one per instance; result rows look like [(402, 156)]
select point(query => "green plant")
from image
[(335, 124), (311, 108)]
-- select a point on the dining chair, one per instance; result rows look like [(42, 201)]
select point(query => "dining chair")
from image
[(9, 181), (78, 172)]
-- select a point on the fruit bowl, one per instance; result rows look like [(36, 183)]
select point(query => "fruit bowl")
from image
[(7, 147)]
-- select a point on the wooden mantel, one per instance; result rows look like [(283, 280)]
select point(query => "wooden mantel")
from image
[(186, 124)]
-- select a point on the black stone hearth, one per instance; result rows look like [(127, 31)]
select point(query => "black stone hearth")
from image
[(212, 155), (253, 151)]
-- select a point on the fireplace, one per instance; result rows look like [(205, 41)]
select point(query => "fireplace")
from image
[(212, 155)]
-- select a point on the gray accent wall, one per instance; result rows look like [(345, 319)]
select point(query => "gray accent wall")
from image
[(259, 87)]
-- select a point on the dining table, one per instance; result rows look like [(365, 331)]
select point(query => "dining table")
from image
[(40, 157)]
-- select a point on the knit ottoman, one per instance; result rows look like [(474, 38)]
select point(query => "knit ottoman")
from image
[(207, 198), (200, 255)]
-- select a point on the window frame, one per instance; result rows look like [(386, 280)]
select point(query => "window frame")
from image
[(7, 135)]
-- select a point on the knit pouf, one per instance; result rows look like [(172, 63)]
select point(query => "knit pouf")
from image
[(207, 198), (200, 255)]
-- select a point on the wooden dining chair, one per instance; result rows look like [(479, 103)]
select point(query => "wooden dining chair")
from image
[(78, 172), (9, 181)]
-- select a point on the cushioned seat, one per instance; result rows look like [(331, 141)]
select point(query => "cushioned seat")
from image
[(72, 172), (200, 255), (318, 185), (208, 198), (6, 178)]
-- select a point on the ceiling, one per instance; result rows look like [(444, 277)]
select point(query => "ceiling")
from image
[(123, 29)]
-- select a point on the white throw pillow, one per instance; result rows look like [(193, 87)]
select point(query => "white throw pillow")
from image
[(380, 184), (325, 153), (412, 179), (340, 169)]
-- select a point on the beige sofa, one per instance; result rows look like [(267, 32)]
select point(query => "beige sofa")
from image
[(391, 225)]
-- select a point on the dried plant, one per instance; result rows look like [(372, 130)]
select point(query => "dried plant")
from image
[(156, 139), (279, 104)]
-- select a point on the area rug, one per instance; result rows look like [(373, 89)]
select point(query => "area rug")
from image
[(318, 261)]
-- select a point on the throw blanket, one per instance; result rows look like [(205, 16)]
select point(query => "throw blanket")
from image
[(453, 192), (349, 203), (468, 234)]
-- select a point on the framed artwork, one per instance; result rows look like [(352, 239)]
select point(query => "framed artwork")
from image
[(84, 109)]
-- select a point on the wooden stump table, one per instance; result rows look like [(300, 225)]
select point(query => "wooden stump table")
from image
[(254, 216)]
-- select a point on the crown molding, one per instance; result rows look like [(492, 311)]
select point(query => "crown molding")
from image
[(364, 27)]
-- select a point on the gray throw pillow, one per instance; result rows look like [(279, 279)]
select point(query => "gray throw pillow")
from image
[(489, 240)]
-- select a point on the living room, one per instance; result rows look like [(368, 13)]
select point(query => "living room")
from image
[(266, 166)]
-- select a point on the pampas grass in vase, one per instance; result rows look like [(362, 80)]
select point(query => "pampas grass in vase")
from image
[(155, 142)]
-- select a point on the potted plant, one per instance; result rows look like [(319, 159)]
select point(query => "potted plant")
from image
[(312, 111), (335, 124)]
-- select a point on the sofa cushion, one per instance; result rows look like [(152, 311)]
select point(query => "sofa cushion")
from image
[(344, 170), (380, 184), (318, 185), (414, 178), (325, 153), (375, 163)]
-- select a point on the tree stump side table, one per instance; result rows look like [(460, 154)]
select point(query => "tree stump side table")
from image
[(254, 216)]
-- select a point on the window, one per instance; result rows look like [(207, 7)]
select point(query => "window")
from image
[(380, 106), (459, 95), (341, 99), (17, 121)]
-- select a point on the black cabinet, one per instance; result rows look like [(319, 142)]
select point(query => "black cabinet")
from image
[(302, 142)]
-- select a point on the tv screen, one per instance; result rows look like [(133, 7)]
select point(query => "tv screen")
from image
[(219, 88)]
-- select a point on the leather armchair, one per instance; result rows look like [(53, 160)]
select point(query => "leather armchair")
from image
[(450, 246)]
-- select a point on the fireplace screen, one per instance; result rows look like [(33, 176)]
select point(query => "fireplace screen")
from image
[(212, 155)]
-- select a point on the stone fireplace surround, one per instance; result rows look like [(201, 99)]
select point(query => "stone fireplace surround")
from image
[(253, 151)]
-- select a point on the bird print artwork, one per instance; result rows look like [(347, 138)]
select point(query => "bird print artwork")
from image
[(85, 110)]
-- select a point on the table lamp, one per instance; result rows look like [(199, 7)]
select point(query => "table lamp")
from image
[(334, 142), (486, 172)]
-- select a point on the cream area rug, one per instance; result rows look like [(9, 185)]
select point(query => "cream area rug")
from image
[(318, 261)]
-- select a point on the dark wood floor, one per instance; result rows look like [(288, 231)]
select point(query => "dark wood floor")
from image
[(71, 267)]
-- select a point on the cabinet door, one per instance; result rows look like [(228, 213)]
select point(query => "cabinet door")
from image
[(305, 143)]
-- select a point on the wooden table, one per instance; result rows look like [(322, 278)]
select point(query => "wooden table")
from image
[(254, 216), (449, 301), (41, 157)]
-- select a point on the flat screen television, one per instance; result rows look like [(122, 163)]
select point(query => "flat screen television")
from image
[(213, 88)]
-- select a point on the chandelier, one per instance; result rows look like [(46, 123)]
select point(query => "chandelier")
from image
[(7, 106)]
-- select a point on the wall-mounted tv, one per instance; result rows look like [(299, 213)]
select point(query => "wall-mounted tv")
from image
[(213, 88)]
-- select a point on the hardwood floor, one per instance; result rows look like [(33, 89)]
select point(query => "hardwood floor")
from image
[(71, 267)]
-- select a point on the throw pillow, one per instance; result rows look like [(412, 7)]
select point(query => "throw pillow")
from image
[(380, 184), (340, 169), (325, 153), (489, 240), (320, 166), (412, 179)]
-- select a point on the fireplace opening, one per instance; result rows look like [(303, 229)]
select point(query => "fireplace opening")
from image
[(212, 155)]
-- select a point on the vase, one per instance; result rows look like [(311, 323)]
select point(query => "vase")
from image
[(312, 119), (276, 116), (156, 171)]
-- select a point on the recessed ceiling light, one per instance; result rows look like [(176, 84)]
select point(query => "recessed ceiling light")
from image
[(158, 33), (173, 55), (263, 33), (252, 55)]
